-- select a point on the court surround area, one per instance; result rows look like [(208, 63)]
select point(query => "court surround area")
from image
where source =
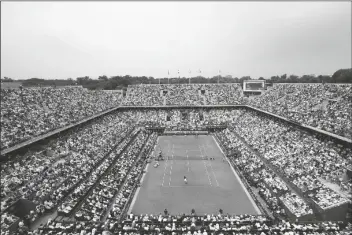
[(212, 184)]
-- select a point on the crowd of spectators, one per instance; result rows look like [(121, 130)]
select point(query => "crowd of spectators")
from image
[(222, 94), (7, 220), (26, 113), (71, 202), (77, 170), (174, 119), (19, 173), (112, 191), (271, 188), (73, 158), (183, 94), (178, 94), (143, 95), (194, 225), (324, 106), (303, 158), (91, 172)]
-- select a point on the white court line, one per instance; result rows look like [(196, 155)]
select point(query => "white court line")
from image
[(205, 167), (189, 186), (165, 165), (239, 180), (135, 196), (172, 162), (211, 165)]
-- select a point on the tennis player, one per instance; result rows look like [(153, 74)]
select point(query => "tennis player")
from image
[(185, 179)]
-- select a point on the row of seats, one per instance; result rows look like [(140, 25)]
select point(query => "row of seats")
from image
[(74, 157), (324, 106), (118, 182), (271, 187), (27, 113), (183, 94), (245, 224), (301, 157)]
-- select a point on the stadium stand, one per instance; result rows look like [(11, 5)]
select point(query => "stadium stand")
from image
[(26, 113), (183, 94), (325, 106), (87, 176), (294, 150)]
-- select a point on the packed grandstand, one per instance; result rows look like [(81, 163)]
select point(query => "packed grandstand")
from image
[(74, 160)]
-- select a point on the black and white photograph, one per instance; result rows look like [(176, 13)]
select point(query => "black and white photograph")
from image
[(176, 118)]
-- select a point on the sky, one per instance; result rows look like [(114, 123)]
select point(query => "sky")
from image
[(60, 40)]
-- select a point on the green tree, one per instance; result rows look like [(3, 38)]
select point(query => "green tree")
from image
[(7, 79), (293, 78), (245, 78), (83, 80), (103, 78), (342, 76)]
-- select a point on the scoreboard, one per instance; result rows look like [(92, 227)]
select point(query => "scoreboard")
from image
[(254, 85)]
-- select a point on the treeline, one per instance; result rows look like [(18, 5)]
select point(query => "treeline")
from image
[(120, 82)]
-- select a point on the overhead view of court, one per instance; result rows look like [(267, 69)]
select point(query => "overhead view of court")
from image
[(176, 118), (211, 184)]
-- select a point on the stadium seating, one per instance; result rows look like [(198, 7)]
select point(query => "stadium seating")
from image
[(73, 159), (28, 113), (89, 174), (299, 156), (183, 94), (199, 225), (270, 186), (324, 106)]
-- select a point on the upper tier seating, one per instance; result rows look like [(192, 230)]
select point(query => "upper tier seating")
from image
[(183, 94), (32, 112), (324, 106)]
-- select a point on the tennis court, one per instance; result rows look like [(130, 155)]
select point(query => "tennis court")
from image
[(212, 184)]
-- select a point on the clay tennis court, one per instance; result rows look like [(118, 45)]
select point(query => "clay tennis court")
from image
[(212, 184)]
